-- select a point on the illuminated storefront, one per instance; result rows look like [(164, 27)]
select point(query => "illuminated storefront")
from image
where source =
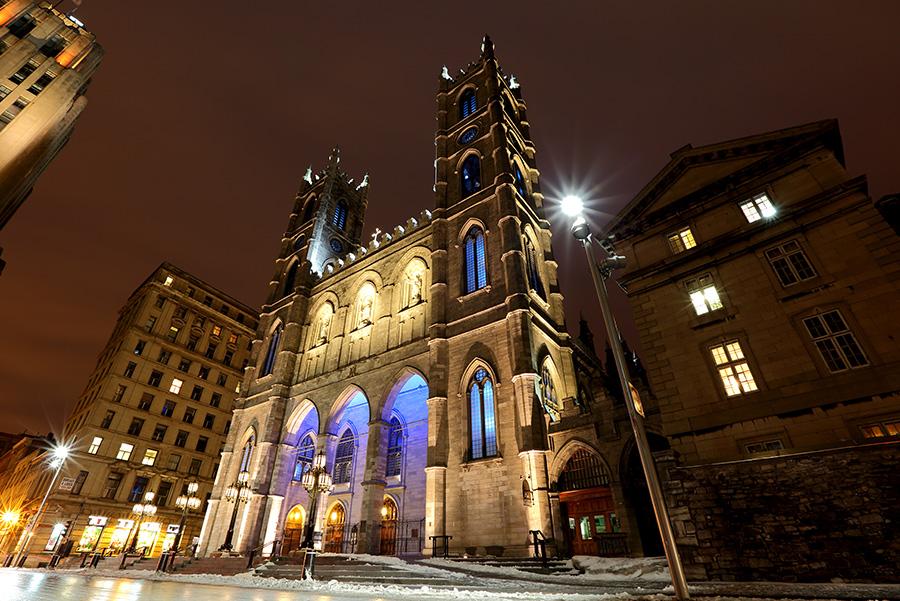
[(119, 539), (55, 535), (147, 536), (92, 533), (169, 540)]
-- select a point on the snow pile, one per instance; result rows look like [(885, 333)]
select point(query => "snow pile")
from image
[(622, 568)]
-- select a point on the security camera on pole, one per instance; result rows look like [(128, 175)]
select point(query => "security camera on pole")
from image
[(600, 272)]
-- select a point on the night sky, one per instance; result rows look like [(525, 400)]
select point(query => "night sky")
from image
[(204, 116)]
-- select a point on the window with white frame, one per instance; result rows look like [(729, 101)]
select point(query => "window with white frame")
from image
[(682, 240), (95, 445), (125, 450), (790, 264), (835, 342), (733, 369), (758, 207), (175, 388), (704, 295)]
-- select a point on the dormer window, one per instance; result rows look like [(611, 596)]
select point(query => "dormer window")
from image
[(682, 240), (758, 207)]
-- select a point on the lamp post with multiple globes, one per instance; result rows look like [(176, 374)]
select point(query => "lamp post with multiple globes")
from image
[(59, 454), (600, 272), (237, 493), (186, 502), (142, 510), (316, 481)]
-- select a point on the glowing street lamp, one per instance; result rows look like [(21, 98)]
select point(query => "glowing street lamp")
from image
[(600, 272), (58, 455), (188, 502), (237, 493), (316, 481), (145, 509), (9, 519)]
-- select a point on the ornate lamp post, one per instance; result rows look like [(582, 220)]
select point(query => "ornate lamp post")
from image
[(60, 453), (600, 272), (148, 509), (188, 502), (237, 493), (316, 481)]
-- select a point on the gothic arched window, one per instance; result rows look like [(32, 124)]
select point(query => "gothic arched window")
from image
[(395, 448), (548, 393), (339, 220), (531, 264), (482, 416), (271, 353), (475, 260), (290, 279), (305, 453), (467, 104), (343, 458), (470, 175), (247, 453), (520, 181)]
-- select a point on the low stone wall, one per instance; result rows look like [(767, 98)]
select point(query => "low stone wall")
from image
[(810, 517)]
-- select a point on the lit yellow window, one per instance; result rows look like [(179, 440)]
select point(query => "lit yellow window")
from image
[(682, 240), (734, 371), (758, 207), (175, 388), (217, 330), (125, 450), (168, 281), (703, 294), (149, 457), (95, 445)]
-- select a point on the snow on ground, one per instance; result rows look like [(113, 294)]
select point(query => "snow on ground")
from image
[(619, 568)]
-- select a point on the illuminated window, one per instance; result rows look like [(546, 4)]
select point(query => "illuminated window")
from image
[(836, 344), (175, 388), (365, 302), (339, 219), (704, 295), (168, 281), (467, 104), (95, 445), (884, 429), (475, 261), (217, 330), (548, 393), (305, 453), (173, 333), (790, 263), (758, 207), (395, 448), (149, 457), (682, 240), (343, 458), (482, 416), (125, 450), (470, 175), (232, 338), (734, 371), (272, 352)]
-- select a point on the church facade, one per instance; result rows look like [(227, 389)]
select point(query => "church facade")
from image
[(431, 366)]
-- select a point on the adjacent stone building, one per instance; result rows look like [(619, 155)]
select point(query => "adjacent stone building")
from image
[(46, 62), (765, 286), (152, 418), (431, 365)]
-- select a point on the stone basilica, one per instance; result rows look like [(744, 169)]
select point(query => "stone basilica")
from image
[(431, 366)]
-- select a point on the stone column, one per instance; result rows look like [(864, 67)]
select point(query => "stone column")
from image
[(373, 487), (436, 471)]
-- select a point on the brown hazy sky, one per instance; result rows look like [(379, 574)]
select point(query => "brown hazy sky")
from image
[(204, 115)]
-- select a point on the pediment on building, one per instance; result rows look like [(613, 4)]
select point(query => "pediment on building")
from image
[(694, 173)]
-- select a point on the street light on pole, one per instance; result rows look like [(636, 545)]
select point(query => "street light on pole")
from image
[(147, 508), (237, 493), (600, 271), (188, 502), (59, 454), (316, 481)]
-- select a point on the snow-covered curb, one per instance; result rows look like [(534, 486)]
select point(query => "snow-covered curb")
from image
[(622, 568)]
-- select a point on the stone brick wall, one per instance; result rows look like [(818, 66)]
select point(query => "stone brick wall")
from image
[(810, 517)]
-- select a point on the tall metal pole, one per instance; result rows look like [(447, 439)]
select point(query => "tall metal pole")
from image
[(599, 274), (36, 520), (227, 546), (310, 526)]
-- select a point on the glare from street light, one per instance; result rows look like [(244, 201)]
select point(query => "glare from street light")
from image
[(10, 517), (571, 205), (61, 452)]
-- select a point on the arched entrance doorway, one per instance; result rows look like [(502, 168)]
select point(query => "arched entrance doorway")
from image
[(334, 529), (634, 486), (390, 515), (586, 502), (293, 528)]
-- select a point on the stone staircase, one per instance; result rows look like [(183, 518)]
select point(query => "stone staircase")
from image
[(223, 566), (531, 565), (347, 569)]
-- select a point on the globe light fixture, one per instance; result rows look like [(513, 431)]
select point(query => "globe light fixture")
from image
[(572, 205), (142, 510), (316, 481), (238, 492), (186, 502)]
